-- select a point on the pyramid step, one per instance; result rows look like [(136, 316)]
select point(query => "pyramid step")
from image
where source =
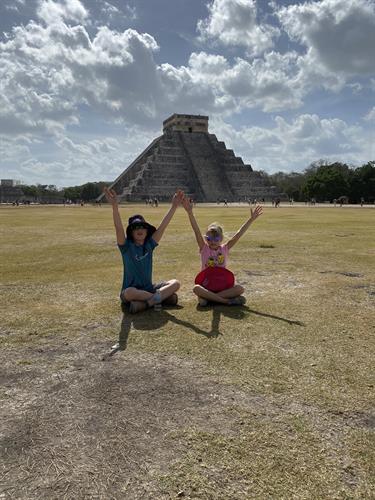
[(198, 163)]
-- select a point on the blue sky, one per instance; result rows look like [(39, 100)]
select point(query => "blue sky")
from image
[(86, 84)]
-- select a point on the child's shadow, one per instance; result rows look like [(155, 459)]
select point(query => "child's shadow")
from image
[(239, 312), (154, 320), (147, 321)]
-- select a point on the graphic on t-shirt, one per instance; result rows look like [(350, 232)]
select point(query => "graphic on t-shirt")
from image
[(220, 259), (214, 257), (210, 262), (215, 260)]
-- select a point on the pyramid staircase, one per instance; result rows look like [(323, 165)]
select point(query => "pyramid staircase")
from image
[(195, 162)]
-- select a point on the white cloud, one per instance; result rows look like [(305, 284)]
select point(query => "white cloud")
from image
[(58, 69), (112, 12), (48, 72), (52, 12), (294, 145), (68, 159), (270, 83), (370, 116), (14, 5), (13, 148), (234, 23), (338, 34)]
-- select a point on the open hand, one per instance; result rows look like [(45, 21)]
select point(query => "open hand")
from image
[(187, 204), (258, 210), (111, 196), (177, 198)]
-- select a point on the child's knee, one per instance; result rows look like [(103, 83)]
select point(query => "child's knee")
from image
[(176, 284), (128, 293), (240, 289), (197, 289)]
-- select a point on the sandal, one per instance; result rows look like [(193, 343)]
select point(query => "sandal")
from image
[(237, 301), (202, 302)]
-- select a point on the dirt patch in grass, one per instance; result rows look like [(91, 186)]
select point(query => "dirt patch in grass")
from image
[(270, 400), (146, 425)]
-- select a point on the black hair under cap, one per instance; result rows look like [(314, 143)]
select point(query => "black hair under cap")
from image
[(135, 220)]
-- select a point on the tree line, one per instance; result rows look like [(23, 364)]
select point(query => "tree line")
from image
[(325, 181), (321, 181), (86, 192)]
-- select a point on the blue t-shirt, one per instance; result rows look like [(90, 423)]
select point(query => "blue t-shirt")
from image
[(137, 260)]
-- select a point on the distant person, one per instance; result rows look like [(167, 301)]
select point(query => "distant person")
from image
[(214, 256), (225, 202), (362, 201), (136, 247)]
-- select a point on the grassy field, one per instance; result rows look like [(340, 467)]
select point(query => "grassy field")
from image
[(271, 400)]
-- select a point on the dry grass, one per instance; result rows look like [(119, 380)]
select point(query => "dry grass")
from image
[(271, 400)]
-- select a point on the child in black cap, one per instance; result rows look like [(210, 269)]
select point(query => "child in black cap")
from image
[(136, 249)]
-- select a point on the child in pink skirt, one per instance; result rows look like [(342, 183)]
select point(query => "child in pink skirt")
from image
[(214, 254)]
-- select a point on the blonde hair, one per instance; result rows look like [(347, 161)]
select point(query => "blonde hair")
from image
[(216, 230)]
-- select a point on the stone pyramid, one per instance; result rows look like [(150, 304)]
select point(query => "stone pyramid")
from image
[(188, 157)]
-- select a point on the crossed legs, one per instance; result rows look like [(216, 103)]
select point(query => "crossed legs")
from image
[(221, 297), (132, 294)]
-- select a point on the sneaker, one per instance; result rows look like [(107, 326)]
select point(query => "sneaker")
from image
[(202, 302), (237, 301), (171, 300), (136, 306), (156, 301)]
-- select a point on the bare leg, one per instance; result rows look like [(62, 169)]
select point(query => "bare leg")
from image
[(165, 291), (203, 293), (132, 293), (230, 293)]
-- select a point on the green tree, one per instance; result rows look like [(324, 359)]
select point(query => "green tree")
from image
[(72, 193), (290, 183), (362, 183), (328, 182), (90, 191), (31, 191)]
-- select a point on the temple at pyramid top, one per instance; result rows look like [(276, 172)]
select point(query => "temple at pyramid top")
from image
[(186, 123), (186, 156)]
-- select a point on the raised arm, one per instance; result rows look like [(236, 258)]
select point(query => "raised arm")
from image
[(176, 200), (254, 215), (111, 197), (198, 235)]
